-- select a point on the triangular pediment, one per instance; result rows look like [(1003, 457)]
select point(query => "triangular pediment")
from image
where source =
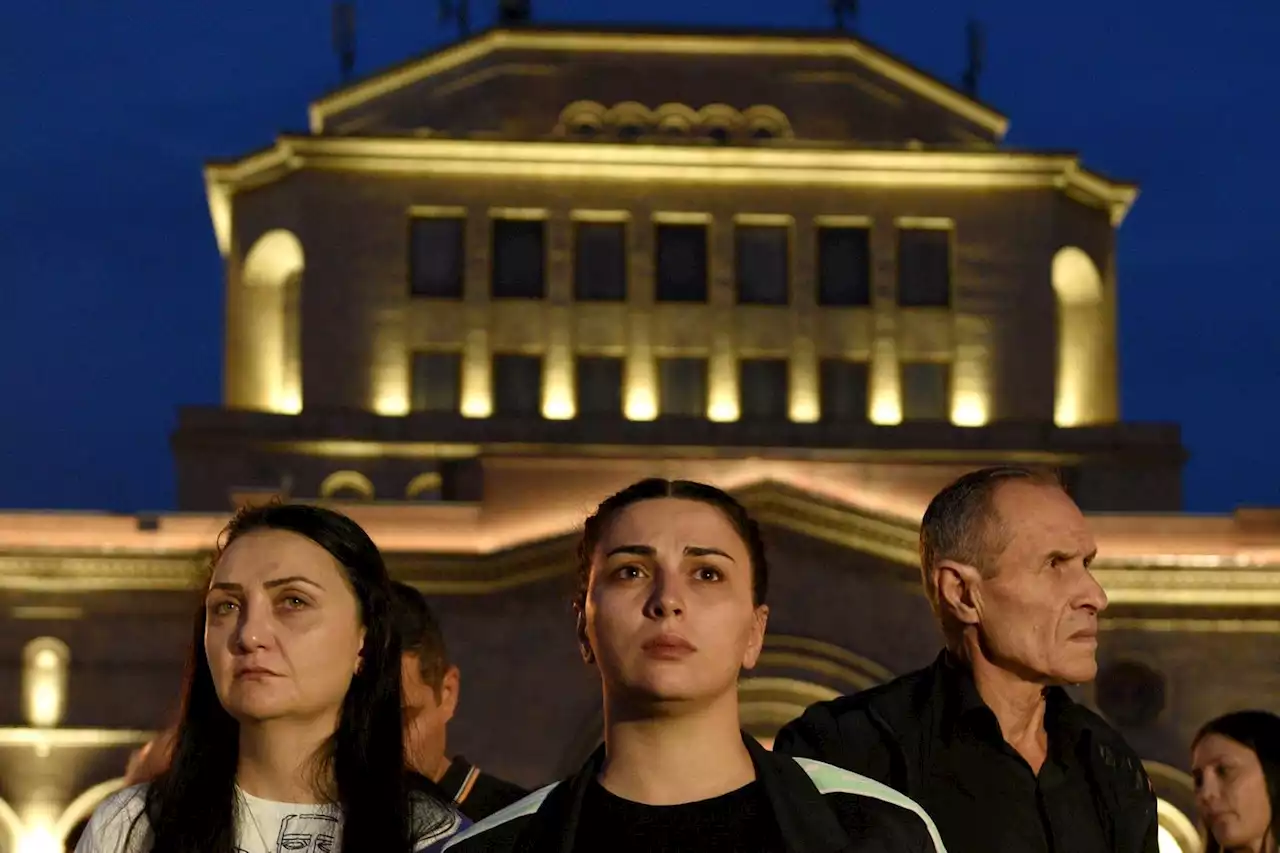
[(525, 83)]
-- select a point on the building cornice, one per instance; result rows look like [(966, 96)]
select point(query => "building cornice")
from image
[(604, 161), (1170, 582)]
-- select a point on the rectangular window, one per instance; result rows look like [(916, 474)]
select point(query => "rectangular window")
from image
[(924, 267), (437, 382), (762, 388), (681, 263), (682, 387), (762, 264), (517, 384), (599, 386), (519, 259), (600, 261), (926, 391), (437, 254), (844, 266), (843, 386)]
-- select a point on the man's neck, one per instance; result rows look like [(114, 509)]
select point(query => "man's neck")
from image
[(276, 759), (1018, 704), (428, 756), (682, 757)]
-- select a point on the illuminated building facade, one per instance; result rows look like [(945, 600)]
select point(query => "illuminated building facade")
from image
[(490, 286)]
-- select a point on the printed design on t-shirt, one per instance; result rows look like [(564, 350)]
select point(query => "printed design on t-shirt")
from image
[(308, 833)]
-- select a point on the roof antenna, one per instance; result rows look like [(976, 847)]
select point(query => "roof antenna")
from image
[(845, 13), (458, 12), (514, 11), (344, 37), (977, 48)]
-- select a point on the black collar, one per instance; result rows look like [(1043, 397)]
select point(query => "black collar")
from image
[(807, 823), (963, 705)]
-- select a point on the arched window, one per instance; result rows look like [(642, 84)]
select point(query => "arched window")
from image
[(45, 661), (1081, 387), (347, 486), (266, 368)]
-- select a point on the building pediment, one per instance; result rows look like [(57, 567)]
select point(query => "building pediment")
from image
[(525, 84)]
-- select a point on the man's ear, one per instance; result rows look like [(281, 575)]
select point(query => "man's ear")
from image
[(959, 591), (450, 689), (584, 642)]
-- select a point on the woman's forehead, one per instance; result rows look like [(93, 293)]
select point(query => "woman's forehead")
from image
[(261, 555), (672, 521)]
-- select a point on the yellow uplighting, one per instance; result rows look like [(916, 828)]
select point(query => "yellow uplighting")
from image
[(391, 404), (886, 409), (476, 404), (641, 404), (723, 411), (347, 481), (804, 410), (39, 838), (477, 394), (44, 681), (265, 339), (969, 409), (1081, 345), (558, 406)]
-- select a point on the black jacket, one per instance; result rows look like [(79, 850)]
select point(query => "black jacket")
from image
[(818, 808), (892, 733)]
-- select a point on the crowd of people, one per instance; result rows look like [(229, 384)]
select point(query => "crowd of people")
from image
[(315, 711)]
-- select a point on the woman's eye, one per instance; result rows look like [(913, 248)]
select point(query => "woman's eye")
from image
[(294, 602), (629, 572), (222, 608), (709, 573)]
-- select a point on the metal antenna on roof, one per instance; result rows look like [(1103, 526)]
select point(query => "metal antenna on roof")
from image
[(977, 48), (845, 13), (344, 37), (457, 12)]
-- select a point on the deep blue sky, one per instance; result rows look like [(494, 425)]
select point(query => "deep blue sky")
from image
[(112, 282)]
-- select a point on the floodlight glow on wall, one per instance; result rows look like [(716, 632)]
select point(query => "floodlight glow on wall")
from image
[(45, 661)]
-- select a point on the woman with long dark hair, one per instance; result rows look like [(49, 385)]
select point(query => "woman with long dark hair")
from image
[(670, 609), (1235, 762), (290, 735)]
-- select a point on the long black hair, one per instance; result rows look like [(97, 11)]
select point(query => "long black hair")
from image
[(192, 807), (1260, 732), (598, 522)]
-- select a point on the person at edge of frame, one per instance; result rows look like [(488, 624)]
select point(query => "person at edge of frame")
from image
[(986, 739)]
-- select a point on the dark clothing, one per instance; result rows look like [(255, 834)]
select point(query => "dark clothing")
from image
[(477, 794), (737, 821), (802, 805), (930, 735)]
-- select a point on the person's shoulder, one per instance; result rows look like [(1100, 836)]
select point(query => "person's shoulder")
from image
[(872, 806), (500, 830), (891, 699), (433, 821), (109, 828), (1110, 747)]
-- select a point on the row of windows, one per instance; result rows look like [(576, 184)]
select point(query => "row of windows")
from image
[(763, 387), (762, 262)]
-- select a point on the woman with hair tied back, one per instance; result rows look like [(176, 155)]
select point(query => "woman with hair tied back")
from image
[(1235, 762), (670, 609), (290, 735)]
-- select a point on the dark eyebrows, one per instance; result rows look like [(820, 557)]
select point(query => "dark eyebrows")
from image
[(648, 551), (271, 584)]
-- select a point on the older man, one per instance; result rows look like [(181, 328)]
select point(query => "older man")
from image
[(986, 739)]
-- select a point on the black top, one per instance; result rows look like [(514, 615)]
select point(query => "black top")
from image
[(737, 821), (800, 806), (478, 794), (930, 735)]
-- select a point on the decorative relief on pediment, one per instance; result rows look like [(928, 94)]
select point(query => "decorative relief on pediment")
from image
[(629, 121)]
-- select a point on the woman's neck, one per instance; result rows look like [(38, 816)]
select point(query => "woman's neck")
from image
[(277, 760), (683, 757)]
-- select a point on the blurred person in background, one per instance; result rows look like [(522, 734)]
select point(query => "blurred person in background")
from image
[(431, 685), (1235, 762)]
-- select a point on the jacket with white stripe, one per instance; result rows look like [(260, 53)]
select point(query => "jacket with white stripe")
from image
[(818, 808)]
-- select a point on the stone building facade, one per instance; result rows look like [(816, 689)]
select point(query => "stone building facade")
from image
[(493, 285)]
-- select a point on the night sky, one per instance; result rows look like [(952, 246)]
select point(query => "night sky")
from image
[(113, 284)]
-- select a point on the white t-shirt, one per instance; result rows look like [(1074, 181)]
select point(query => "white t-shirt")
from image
[(264, 826)]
